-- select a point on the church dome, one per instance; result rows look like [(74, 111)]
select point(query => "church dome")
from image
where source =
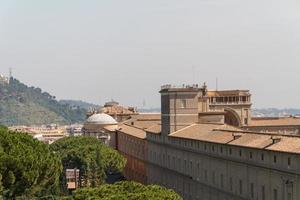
[(101, 119)]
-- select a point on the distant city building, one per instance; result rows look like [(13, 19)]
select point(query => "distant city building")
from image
[(45, 133), (75, 130)]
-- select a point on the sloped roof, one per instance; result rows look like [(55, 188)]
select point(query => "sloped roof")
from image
[(224, 134), (280, 121), (133, 131)]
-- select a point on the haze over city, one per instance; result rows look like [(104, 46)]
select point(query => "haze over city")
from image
[(125, 50)]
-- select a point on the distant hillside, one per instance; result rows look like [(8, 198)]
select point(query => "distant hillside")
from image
[(78, 103), (23, 105)]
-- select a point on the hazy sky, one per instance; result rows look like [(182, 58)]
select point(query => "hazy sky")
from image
[(95, 50)]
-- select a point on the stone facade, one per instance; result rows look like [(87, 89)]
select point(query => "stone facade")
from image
[(206, 146), (210, 161)]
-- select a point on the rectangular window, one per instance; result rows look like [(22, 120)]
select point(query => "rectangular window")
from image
[(205, 175), (250, 155), (241, 187), (252, 190), (262, 157), (240, 153), (214, 177), (275, 159), (222, 180), (205, 147), (275, 195), (230, 151), (231, 183), (290, 196), (221, 149), (289, 161), (183, 103), (263, 195), (213, 148)]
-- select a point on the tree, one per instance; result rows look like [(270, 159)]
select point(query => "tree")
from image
[(90, 156), (126, 190), (28, 167)]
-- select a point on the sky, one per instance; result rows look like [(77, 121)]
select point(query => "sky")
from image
[(98, 50)]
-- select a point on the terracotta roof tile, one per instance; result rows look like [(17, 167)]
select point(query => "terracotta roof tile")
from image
[(253, 140), (284, 121), (206, 132), (155, 128), (133, 131)]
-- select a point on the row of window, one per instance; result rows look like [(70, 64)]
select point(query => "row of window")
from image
[(236, 186), (222, 150), (131, 146)]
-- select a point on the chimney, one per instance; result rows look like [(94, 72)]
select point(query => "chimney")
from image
[(236, 136), (275, 139)]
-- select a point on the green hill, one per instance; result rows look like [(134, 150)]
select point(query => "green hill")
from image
[(23, 105)]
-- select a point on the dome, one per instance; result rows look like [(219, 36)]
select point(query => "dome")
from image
[(102, 119)]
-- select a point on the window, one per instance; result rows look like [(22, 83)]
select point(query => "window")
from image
[(245, 121), (213, 148), (205, 147), (231, 183), (183, 103), (263, 195), (241, 187), (290, 196), (222, 180), (262, 156), (230, 151), (205, 175), (275, 195), (250, 155), (275, 159), (289, 161), (214, 177), (240, 153), (252, 190), (221, 149)]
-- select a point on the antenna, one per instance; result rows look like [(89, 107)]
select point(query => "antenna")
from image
[(10, 72), (216, 83), (10, 75), (194, 73), (144, 103)]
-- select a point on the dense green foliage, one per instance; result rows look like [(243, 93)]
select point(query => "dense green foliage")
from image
[(27, 167), (90, 156), (79, 104), (126, 191), (20, 104)]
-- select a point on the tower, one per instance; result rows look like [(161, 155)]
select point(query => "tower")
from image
[(179, 107)]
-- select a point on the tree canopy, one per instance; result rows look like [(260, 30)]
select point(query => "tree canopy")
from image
[(90, 156), (125, 190), (27, 167)]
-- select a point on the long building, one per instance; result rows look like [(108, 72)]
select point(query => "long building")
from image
[(206, 146)]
